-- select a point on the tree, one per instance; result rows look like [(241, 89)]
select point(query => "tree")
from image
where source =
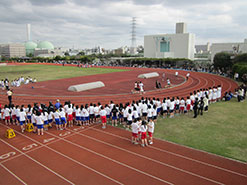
[(66, 53), (223, 61), (241, 58)]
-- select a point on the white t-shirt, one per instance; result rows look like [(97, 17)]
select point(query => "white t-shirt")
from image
[(91, 110), (103, 112), (108, 111), (143, 128), (62, 114), (69, 111), (135, 113), (144, 108), (154, 111), (6, 112), (151, 127), (135, 127), (129, 116), (78, 112), (182, 103), (172, 105), (39, 120), (23, 116), (45, 116), (56, 115), (150, 113), (96, 110), (50, 116), (164, 106)]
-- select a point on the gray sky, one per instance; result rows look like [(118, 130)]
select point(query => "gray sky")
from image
[(89, 23)]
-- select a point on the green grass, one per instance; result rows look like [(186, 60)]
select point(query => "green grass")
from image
[(49, 72), (222, 130)]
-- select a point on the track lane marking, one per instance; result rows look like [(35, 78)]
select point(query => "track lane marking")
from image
[(81, 164), (55, 173), (12, 173), (154, 160), (179, 155)]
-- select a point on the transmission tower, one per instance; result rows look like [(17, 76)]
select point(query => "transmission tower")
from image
[(133, 36)]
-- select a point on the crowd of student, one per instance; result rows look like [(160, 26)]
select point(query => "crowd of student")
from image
[(139, 116), (6, 84)]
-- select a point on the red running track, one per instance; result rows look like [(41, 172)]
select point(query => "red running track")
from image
[(118, 87), (91, 155)]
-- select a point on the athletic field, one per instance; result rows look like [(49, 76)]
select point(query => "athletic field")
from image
[(90, 155)]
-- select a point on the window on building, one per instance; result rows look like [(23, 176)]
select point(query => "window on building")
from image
[(165, 46)]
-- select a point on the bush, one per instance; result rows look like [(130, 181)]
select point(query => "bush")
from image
[(240, 68)]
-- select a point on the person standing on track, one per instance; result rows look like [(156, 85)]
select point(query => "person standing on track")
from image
[(134, 128), (10, 93), (150, 131), (187, 76), (141, 86), (143, 130), (39, 123), (103, 116)]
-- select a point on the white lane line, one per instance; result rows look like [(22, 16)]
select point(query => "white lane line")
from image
[(41, 146), (69, 157), (172, 153), (38, 162), (154, 160), (123, 164), (18, 178)]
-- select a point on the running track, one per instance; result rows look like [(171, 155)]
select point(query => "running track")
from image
[(91, 155)]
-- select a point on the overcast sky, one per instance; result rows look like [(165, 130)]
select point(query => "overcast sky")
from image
[(89, 23)]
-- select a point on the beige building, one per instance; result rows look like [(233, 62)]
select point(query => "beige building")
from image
[(178, 45), (12, 50)]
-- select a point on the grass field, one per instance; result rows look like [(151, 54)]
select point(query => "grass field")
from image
[(49, 72), (222, 130)]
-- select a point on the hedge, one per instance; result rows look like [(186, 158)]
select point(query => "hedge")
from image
[(240, 68)]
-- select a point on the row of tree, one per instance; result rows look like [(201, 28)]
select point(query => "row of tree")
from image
[(227, 62)]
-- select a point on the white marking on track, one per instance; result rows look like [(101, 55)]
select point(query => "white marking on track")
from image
[(38, 162), (18, 178)]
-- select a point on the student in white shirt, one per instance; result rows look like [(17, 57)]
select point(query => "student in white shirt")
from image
[(69, 112), (63, 120), (171, 109), (45, 119), (102, 114), (77, 115), (164, 108), (40, 123), (6, 114), (182, 105), (150, 131), (143, 130), (91, 113), (56, 115), (135, 129)]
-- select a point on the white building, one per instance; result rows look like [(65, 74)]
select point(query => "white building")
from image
[(179, 45), (234, 48), (12, 50)]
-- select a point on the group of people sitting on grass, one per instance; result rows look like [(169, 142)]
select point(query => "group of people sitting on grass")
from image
[(5, 84), (140, 116)]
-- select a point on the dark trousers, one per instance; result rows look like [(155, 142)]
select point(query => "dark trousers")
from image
[(195, 113), (10, 100)]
